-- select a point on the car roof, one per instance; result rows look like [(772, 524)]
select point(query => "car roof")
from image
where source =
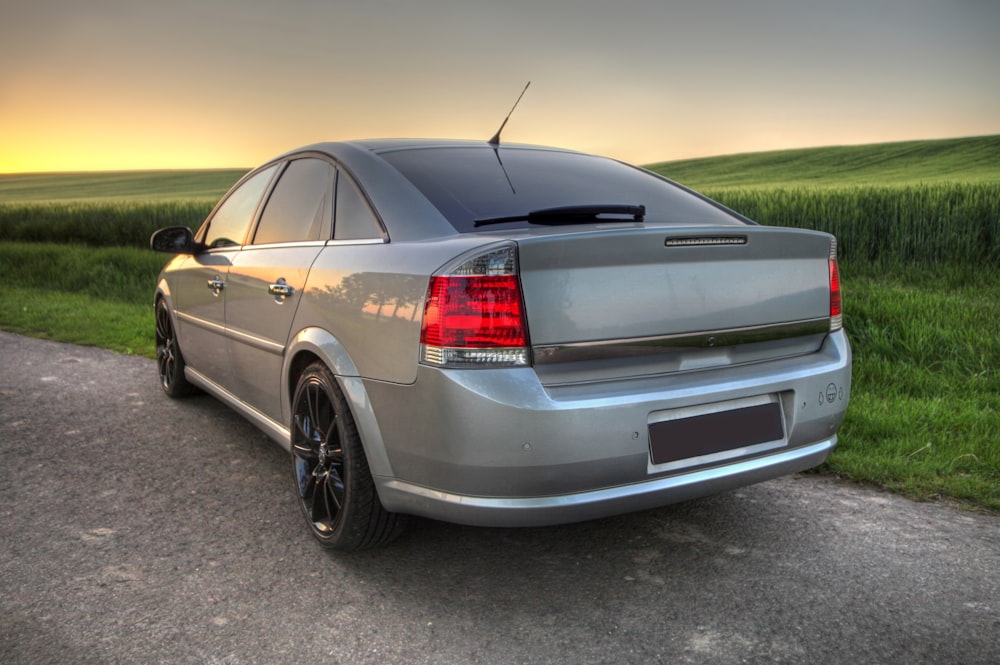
[(386, 145), (342, 150)]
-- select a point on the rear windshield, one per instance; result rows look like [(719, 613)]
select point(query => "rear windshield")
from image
[(475, 183)]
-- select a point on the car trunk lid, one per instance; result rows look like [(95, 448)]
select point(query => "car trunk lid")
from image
[(607, 303)]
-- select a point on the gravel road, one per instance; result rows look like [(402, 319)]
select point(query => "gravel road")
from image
[(138, 529)]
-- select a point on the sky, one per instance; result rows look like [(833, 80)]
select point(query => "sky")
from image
[(151, 84)]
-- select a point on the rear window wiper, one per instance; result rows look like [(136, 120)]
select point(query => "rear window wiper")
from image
[(573, 215)]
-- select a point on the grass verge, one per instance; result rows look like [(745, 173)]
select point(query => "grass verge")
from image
[(80, 295), (77, 318), (924, 418)]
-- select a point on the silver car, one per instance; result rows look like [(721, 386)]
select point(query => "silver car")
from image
[(502, 335)]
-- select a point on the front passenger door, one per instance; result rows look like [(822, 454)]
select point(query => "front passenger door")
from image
[(200, 292)]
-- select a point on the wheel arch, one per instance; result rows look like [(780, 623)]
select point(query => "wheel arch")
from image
[(315, 344), (162, 292), (169, 356)]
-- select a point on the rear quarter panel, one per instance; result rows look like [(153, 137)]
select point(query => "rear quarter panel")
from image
[(370, 297)]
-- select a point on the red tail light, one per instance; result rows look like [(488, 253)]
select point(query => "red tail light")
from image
[(836, 306), (473, 315), (473, 312)]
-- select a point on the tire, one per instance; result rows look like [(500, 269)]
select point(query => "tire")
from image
[(169, 361), (330, 471)]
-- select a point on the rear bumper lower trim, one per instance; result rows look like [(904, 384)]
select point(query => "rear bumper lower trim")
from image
[(400, 496)]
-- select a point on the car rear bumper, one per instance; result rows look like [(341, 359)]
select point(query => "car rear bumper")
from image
[(546, 510), (497, 448)]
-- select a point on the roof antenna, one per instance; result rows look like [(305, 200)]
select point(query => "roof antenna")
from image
[(496, 137)]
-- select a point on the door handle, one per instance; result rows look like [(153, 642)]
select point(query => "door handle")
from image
[(281, 290), (216, 285)]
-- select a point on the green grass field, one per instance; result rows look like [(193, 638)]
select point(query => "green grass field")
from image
[(974, 160), (115, 187), (919, 225)]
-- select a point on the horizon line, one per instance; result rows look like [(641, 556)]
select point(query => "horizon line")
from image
[(190, 169)]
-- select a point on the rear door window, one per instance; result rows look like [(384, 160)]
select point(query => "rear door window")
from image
[(354, 220), (301, 206)]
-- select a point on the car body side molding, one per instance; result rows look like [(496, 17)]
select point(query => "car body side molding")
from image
[(275, 430)]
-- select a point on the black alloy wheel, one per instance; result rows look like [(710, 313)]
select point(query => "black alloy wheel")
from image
[(332, 479), (169, 360)]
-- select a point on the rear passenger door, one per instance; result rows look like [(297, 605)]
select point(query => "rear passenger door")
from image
[(267, 277)]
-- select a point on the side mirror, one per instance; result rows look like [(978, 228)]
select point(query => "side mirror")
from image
[(174, 240)]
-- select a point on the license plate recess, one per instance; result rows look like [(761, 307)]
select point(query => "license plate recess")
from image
[(720, 433)]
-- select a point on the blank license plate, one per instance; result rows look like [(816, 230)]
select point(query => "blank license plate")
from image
[(673, 440)]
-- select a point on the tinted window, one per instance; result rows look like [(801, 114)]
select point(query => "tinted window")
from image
[(470, 183), (229, 224), (354, 220), (301, 205)]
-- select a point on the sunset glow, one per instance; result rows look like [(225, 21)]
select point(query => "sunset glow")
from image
[(139, 84)]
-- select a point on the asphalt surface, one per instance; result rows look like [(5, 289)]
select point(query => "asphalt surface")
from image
[(136, 528)]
